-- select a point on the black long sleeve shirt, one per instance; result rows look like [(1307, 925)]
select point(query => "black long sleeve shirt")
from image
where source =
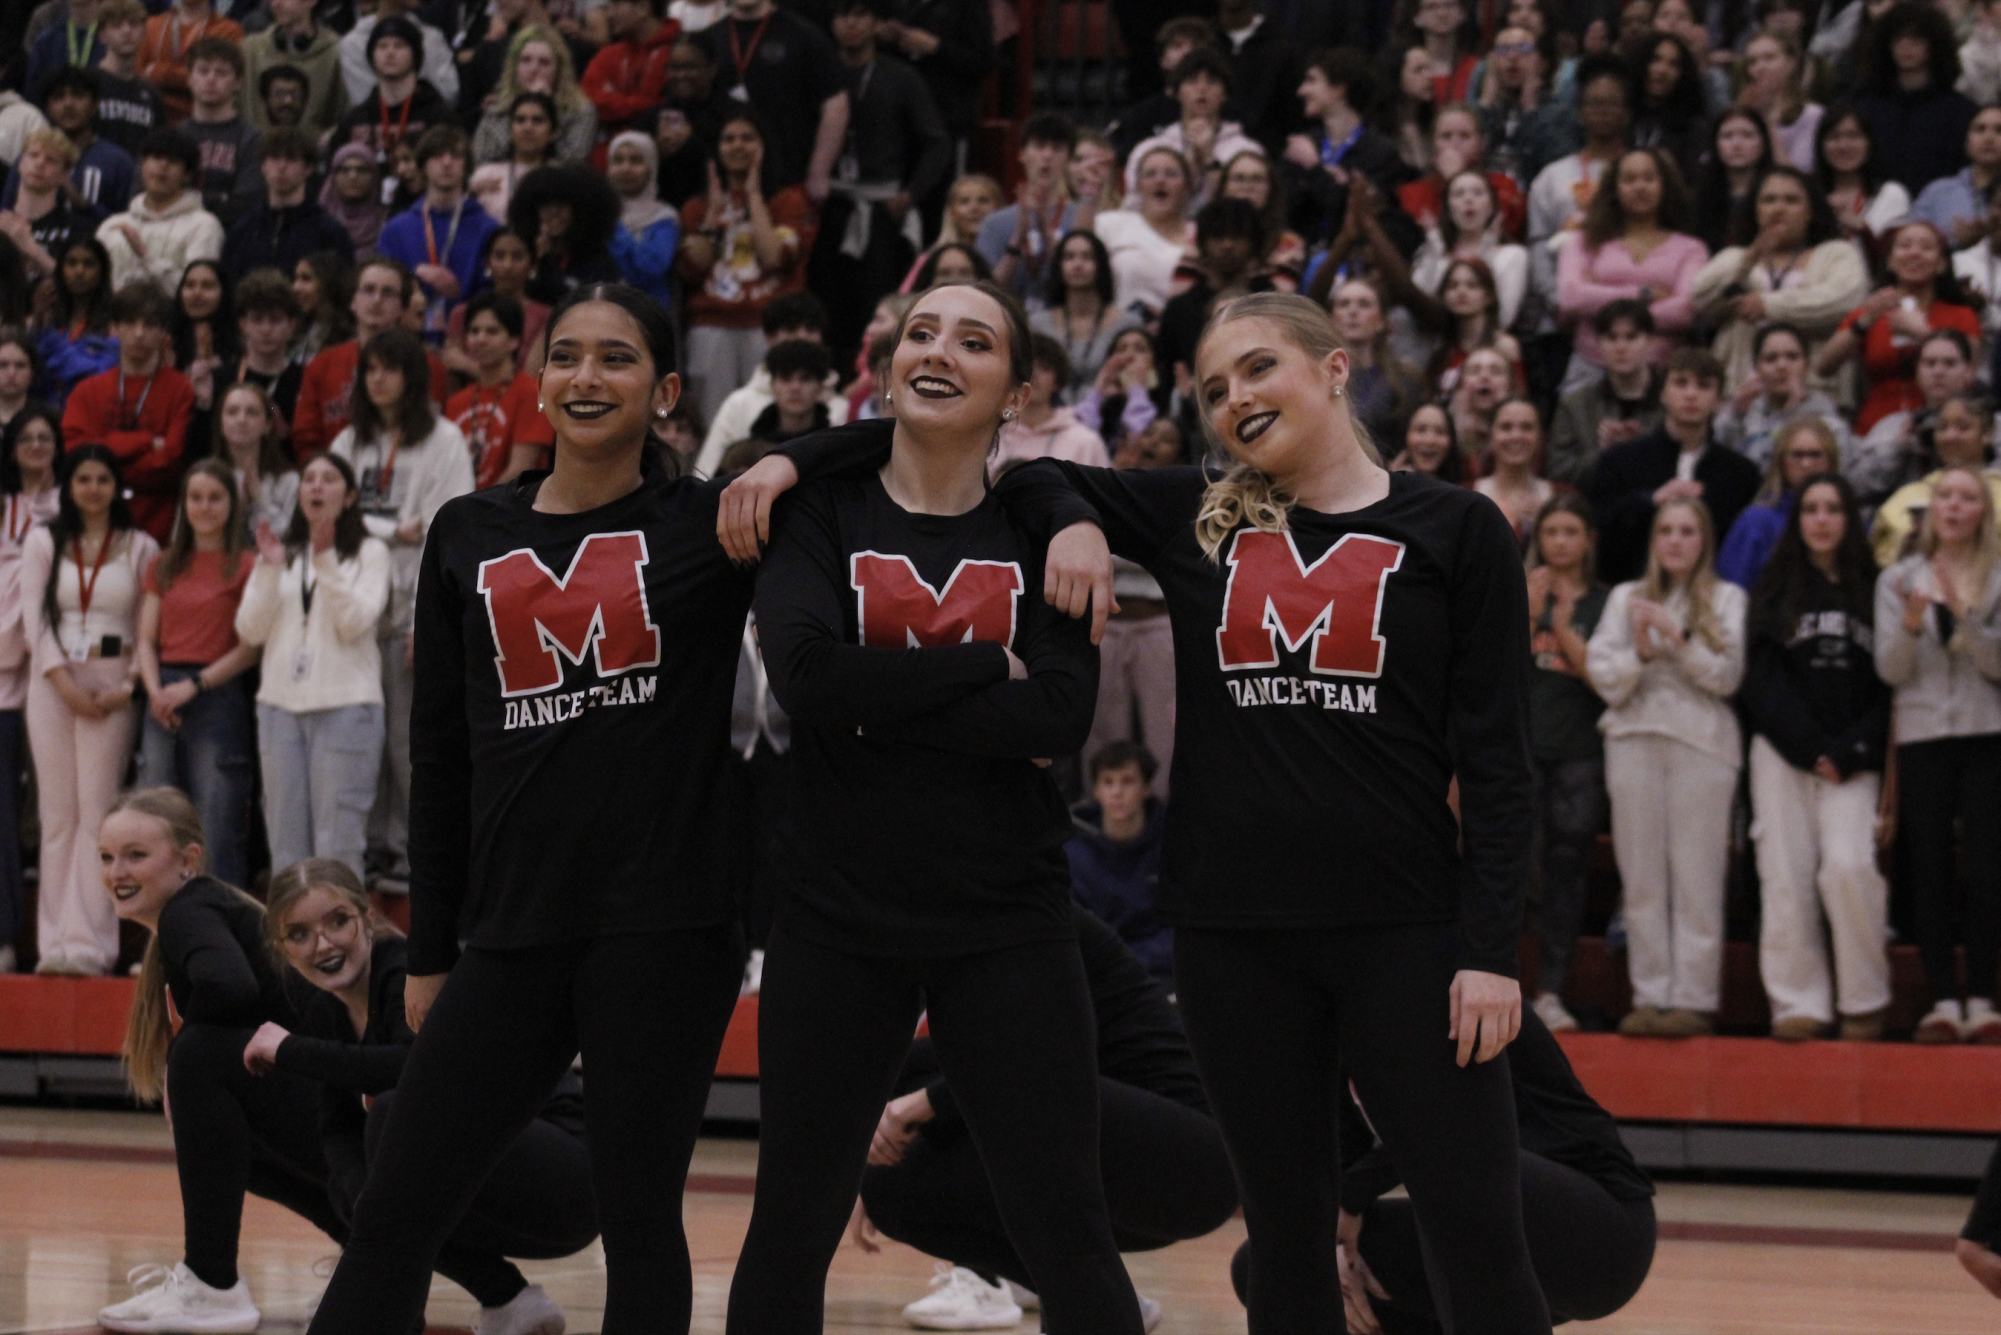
[(1811, 689), (219, 969), (1330, 683), (1621, 487), (920, 825), (571, 717), (895, 131)]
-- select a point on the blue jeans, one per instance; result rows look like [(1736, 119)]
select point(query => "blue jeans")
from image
[(209, 759), (320, 771)]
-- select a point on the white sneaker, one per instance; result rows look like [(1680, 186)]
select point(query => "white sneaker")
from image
[(1550, 1010), (1024, 1298), (753, 975), (532, 1312), (7, 961), (1149, 1312), (174, 1300), (961, 1300)]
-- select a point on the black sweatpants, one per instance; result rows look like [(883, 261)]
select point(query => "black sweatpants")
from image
[(1571, 808), (537, 1204), (1167, 1179), (1940, 782), (236, 1132), (1014, 1034), (648, 1012), (1274, 1017)]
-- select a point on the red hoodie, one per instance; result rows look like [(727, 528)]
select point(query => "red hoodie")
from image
[(148, 432), (323, 396), (625, 79)]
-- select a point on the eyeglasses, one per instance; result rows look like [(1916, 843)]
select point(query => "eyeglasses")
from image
[(1515, 49)]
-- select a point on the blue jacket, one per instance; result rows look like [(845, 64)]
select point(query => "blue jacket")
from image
[(1119, 882), (1949, 200), (1752, 540), (403, 239), (52, 49), (647, 260)]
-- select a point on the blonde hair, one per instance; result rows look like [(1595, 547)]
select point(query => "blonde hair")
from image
[(54, 143), (147, 1028), (1986, 545), (1782, 440), (300, 879), (1244, 495), (948, 233), (1656, 588), (568, 96)]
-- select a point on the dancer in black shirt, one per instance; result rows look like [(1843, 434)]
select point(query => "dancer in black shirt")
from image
[(577, 638), (1346, 643), (925, 866)]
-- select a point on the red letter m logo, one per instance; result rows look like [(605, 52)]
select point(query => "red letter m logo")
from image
[(1336, 602), (601, 602), (898, 610)]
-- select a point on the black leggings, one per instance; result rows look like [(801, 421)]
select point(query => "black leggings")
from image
[(537, 1204), (648, 1011), (1167, 1179), (1571, 807), (1014, 1035), (1938, 782), (236, 1132), (1591, 1250), (1273, 1018)]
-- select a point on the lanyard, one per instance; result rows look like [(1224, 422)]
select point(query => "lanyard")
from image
[(307, 588), (86, 585), (740, 57), (19, 509), (175, 46), (129, 421), (387, 471), (82, 57), (451, 235), (480, 418), (1331, 153), (1777, 276), (387, 146)]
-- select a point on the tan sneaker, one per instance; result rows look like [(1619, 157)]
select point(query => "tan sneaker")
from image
[(1684, 1023), (1799, 1029), (1941, 1024), (1642, 1022), (1863, 1028)]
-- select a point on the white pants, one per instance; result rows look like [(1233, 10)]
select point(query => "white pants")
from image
[(1671, 834), (718, 362), (389, 818), (79, 766), (1136, 677), (1817, 853)]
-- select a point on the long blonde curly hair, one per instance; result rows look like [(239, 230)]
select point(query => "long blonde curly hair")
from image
[(1244, 495), (569, 95), (1656, 585)]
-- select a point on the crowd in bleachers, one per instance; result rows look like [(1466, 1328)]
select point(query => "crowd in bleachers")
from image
[(1704, 298)]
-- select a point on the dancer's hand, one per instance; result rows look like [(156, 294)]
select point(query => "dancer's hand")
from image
[(1357, 1286), (743, 514), (420, 992), (898, 1127), (260, 1054), (1487, 1010), (1077, 574)]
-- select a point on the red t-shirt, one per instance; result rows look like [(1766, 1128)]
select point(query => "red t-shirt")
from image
[(738, 288), (198, 611), (1891, 369), (324, 393), (1424, 200), (495, 420)]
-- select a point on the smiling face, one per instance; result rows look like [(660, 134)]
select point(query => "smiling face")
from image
[(326, 939), (208, 506), (488, 342), (1677, 541), (970, 204), (1823, 519), (600, 388), (35, 447), (1428, 438), (1517, 435), (1267, 399), (950, 370), (141, 868), (1846, 146), (1916, 256)]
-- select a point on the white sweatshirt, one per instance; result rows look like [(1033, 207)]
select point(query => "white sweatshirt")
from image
[(1684, 692), (328, 658)]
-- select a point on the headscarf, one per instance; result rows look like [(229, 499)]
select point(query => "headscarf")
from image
[(363, 221), (641, 211)]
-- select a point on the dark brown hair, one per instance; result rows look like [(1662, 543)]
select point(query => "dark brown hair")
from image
[(397, 349)]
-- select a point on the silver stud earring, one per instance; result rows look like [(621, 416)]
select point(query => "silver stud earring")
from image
[(888, 399), (1338, 391), (538, 405), (660, 413), (1008, 416)]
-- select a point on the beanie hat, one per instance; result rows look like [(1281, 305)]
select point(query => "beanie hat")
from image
[(404, 30)]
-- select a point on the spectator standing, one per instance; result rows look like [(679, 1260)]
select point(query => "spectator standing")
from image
[(1802, 448), (201, 335), (431, 56), (1739, 155), (31, 450), (796, 315), (1468, 227), (294, 40), (1820, 719), (498, 414), (538, 61), (104, 173), (1018, 240), (1917, 119), (1679, 459), (1978, 268), (1382, 390), (951, 45), (1775, 87), (1135, 711), (1338, 91), (1667, 655), (1044, 429), (789, 74), (39, 220), (1229, 239), (444, 234), (741, 248), (229, 143), (686, 120), (1671, 112), (1561, 194), (628, 75), (1623, 405), (139, 410), (163, 58), (1150, 237), (197, 729), (1849, 171), (508, 265), (1527, 127), (17, 375), (313, 603), (383, 291), (1901, 448), (1937, 647), (798, 371), (72, 337), (1566, 602), (1634, 243), (648, 235), (1080, 310), (324, 285), (1458, 144), (398, 105), (166, 226), (1431, 447), (1251, 177), (71, 42), (286, 226), (1958, 205), (1797, 268), (128, 107), (1511, 480), (1961, 436), (352, 195), (250, 438), (1884, 332), (1774, 394), (572, 212), (1115, 852), (410, 461), (80, 588), (281, 97), (267, 314), (1199, 85), (531, 137)]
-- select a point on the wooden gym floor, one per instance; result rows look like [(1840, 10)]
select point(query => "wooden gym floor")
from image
[(85, 1196)]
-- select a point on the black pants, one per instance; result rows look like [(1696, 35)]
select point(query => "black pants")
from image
[(537, 1204), (760, 793), (1167, 1179), (1591, 1251), (1014, 1035), (648, 1012), (850, 285), (236, 1132), (1939, 782), (1274, 1017), (1571, 807)]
